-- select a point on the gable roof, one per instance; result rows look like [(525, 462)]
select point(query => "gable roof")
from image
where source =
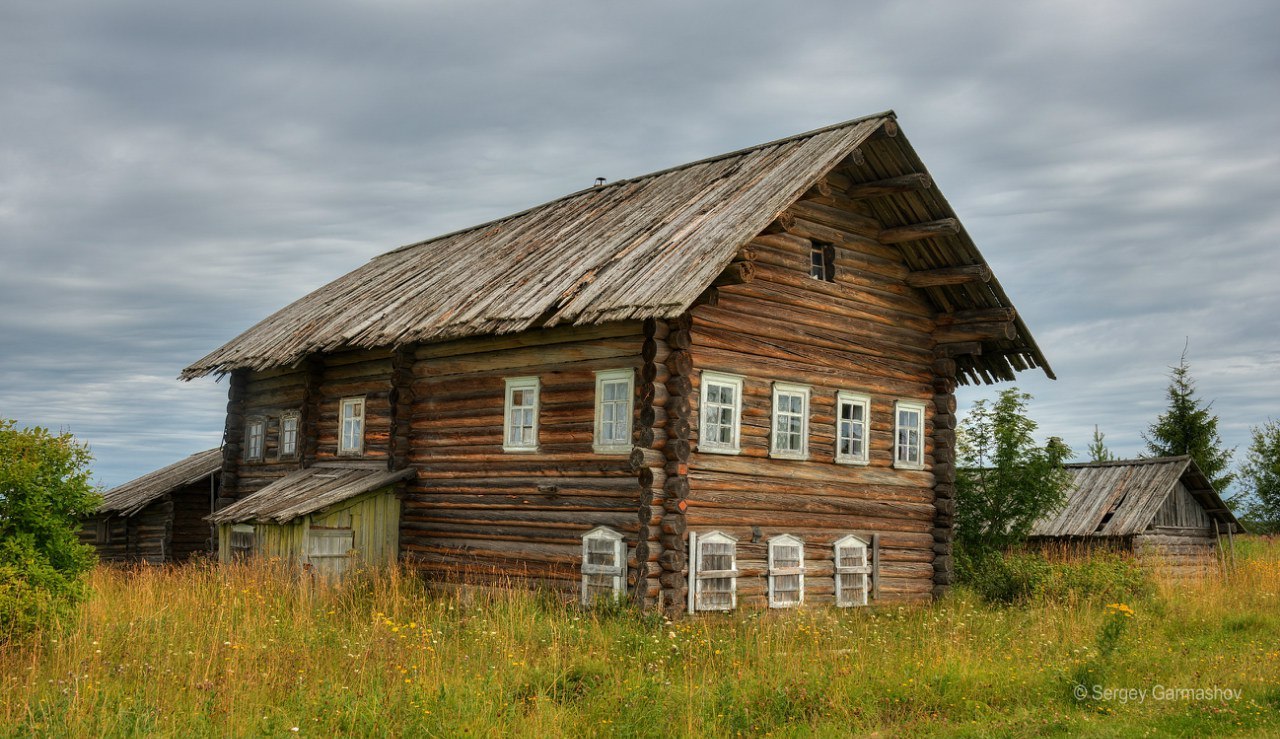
[(638, 248), (133, 496), (307, 491), (1132, 492)]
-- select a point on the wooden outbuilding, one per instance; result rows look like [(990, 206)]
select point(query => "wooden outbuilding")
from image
[(1163, 509), (728, 383), (159, 517)]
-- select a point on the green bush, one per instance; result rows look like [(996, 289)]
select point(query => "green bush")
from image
[(1024, 576), (44, 494)]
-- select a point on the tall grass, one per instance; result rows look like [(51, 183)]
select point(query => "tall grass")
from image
[(252, 651)]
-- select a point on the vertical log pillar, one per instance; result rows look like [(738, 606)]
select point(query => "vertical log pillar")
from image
[(311, 409), (674, 558), (944, 475), (400, 399), (651, 433), (233, 437)]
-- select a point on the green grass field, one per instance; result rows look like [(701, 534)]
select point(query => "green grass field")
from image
[(248, 651)]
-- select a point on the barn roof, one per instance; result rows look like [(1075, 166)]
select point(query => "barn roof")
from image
[(1122, 497), (638, 248), (135, 495), (307, 491)]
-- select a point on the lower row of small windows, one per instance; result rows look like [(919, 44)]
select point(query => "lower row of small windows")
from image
[(713, 569)]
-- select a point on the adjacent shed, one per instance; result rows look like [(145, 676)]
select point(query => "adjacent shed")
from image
[(1163, 509), (159, 517), (325, 517)]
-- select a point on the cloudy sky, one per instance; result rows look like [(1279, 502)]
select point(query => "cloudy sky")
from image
[(172, 172)]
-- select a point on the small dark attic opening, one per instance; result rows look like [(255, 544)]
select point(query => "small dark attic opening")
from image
[(822, 262)]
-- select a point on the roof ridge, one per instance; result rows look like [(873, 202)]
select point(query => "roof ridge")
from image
[(1129, 462), (890, 114)]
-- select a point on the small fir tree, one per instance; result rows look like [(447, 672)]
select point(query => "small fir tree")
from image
[(1259, 500), (1188, 427), (1098, 451)]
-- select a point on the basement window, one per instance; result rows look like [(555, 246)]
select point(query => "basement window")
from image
[(614, 391), (255, 433), (822, 262), (852, 412), (721, 413), (351, 430), (288, 446), (908, 447), (715, 572), (520, 411), (786, 571), (603, 563), (853, 572), (790, 438)]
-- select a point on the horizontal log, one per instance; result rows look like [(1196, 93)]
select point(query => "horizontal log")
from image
[(736, 273), (949, 275), (958, 349), (982, 315), (891, 186), (976, 332)]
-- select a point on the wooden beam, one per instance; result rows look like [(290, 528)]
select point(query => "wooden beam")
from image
[(958, 348), (891, 186), (737, 273), (976, 316), (821, 189), (888, 130), (949, 275), (918, 231), (976, 332), (855, 159)]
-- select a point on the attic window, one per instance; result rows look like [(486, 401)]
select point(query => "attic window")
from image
[(822, 262)]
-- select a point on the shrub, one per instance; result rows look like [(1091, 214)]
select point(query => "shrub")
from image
[(1023, 576), (44, 493)]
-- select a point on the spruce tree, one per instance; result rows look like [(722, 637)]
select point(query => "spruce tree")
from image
[(1188, 427), (1259, 500), (1098, 451)]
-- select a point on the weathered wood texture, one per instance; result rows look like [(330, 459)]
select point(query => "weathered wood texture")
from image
[(475, 509), (264, 395), (866, 332)]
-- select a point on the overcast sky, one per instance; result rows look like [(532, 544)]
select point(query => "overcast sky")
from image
[(172, 172)]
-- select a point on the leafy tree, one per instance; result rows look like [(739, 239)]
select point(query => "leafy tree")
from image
[(1098, 451), (1260, 478), (1188, 427), (44, 493), (1006, 480)]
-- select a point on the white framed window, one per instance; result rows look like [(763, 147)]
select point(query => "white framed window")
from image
[(908, 435), (852, 427), (614, 392), (786, 571), (604, 564), (520, 411), (351, 426), (288, 445), (790, 437), (255, 439), (715, 572), (721, 413), (853, 571)]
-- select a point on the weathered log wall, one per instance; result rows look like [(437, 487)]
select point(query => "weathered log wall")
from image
[(266, 395), (1178, 552), (142, 537), (866, 332), (478, 513), (350, 374)]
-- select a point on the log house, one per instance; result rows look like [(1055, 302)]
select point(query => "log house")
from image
[(729, 383)]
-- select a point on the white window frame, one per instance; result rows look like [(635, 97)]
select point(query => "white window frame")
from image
[(780, 389), (898, 461), (296, 417), (719, 447), (843, 398), (343, 447), (699, 574), (255, 429), (534, 385), (619, 569), (785, 540), (843, 597), (609, 377)]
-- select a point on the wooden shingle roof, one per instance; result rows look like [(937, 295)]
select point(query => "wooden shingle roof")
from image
[(133, 496), (307, 491), (1122, 497), (639, 248)]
